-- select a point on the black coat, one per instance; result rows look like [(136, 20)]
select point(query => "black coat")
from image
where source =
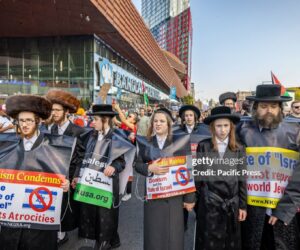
[(220, 198), (70, 208), (28, 239), (163, 218), (286, 136), (199, 129), (99, 223), (290, 202)]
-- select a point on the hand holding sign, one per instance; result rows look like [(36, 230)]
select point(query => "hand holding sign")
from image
[(65, 185), (74, 182), (156, 169), (109, 171)]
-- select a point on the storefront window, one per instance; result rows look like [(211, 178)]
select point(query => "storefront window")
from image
[(33, 65)]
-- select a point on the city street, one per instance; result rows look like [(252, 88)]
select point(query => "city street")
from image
[(130, 226)]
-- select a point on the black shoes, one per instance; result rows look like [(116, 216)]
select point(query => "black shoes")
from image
[(115, 242), (104, 245), (63, 240), (107, 245)]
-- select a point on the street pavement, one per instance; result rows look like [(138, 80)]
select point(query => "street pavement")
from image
[(130, 224)]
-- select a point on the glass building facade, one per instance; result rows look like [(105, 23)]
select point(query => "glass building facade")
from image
[(155, 11), (172, 28), (33, 65)]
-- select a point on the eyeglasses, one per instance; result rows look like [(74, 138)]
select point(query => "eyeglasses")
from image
[(56, 110), (296, 107), (27, 121)]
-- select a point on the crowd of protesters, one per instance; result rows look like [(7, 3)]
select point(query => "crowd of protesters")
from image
[(138, 140)]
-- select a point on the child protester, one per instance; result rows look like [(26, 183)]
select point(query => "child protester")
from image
[(99, 221), (222, 196)]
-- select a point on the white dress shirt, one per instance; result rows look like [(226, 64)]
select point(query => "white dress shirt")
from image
[(161, 141), (62, 129), (189, 128), (101, 135), (222, 145), (28, 143)]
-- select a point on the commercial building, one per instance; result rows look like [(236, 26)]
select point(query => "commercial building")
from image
[(79, 45), (170, 22)]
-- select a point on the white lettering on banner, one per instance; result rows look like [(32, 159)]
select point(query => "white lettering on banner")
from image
[(178, 181)]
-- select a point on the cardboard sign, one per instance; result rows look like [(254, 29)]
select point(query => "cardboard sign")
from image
[(178, 181), (30, 199), (276, 166), (104, 91), (93, 186)]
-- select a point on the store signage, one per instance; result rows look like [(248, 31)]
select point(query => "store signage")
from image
[(124, 80)]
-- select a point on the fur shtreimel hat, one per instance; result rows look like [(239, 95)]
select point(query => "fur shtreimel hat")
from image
[(64, 98), (228, 95), (30, 103)]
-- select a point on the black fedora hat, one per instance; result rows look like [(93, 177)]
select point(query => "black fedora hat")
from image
[(221, 112), (268, 93), (165, 110), (228, 95), (189, 107), (102, 109)]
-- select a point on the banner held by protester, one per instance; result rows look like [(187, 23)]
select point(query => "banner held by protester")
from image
[(178, 181), (276, 166), (30, 190)]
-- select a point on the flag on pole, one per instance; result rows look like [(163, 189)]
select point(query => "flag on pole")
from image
[(146, 100), (276, 81)]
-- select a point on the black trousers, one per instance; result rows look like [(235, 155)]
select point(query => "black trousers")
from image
[(258, 234), (27, 239)]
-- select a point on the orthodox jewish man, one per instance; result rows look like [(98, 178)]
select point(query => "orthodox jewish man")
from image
[(189, 115), (266, 138), (63, 104), (37, 152), (228, 99), (100, 221)]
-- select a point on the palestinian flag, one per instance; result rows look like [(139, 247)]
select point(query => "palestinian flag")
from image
[(276, 81), (146, 100)]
